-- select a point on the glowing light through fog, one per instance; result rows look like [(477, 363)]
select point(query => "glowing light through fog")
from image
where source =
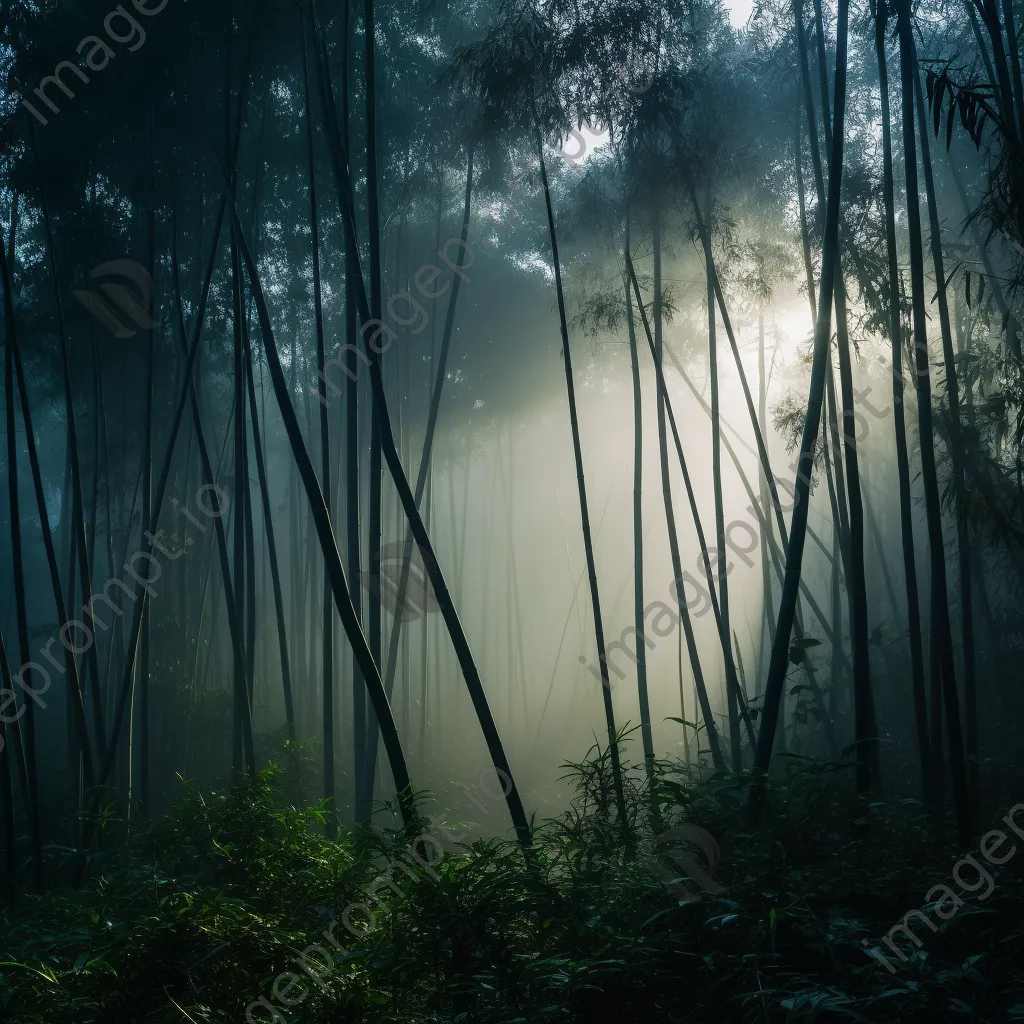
[(739, 12)]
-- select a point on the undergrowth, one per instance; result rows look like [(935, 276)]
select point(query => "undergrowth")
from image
[(206, 909)]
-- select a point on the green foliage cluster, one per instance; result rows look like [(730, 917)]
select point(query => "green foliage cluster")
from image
[(205, 907)]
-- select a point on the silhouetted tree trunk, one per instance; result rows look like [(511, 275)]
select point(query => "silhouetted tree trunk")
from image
[(8, 838), (24, 741), (131, 654), (762, 451), (322, 522), (14, 361), (439, 378), (588, 542), (779, 661), (865, 730), (268, 525), (716, 479), (443, 596), (812, 120), (834, 470), (242, 705), (359, 716), (78, 504), (942, 645), (374, 524), (327, 613), (766, 534), (957, 450), (853, 529), (145, 752), (699, 685), (638, 528)]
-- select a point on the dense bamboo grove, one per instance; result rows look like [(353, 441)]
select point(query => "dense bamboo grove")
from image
[(423, 397)]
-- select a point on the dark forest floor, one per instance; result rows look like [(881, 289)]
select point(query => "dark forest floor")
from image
[(236, 904)]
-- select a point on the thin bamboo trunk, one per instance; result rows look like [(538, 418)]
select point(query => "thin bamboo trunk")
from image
[(646, 732), (848, 495), (24, 738), (588, 542), (766, 534), (243, 734), (96, 703), (374, 522), (326, 611), (8, 837), (390, 453), (957, 453), (145, 751), (268, 525), (121, 702), (359, 710), (823, 328), (865, 726), (716, 478), (709, 574), (762, 451), (943, 663), (14, 361), (439, 378), (236, 567)]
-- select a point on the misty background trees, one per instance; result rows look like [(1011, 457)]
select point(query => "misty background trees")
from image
[(424, 446)]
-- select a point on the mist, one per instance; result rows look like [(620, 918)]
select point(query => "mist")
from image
[(590, 427)]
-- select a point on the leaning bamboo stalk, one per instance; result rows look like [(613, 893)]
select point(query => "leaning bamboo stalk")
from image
[(848, 496), (944, 677), (441, 592), (145, 759), (779, 661), (731, 680), (325, 534), (275, 569), (8, 837), (326, 612), (439, 377), (78, 518), (712, 272), (121, 702), (646, 731), (77, 697), (957, 453), (24, 740), (374, 520), (763, 517), (588, 543), (768, 618), (734, 692), (243, 702)]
